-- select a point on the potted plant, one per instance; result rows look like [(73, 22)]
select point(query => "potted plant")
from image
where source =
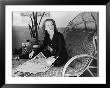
[(34, 27)]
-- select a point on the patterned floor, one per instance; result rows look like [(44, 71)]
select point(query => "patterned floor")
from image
[(72, 70)]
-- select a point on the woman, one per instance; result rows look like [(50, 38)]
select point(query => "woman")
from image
[(53, 48), (53, 45)]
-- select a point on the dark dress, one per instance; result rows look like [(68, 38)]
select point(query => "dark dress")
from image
[(54, 47)]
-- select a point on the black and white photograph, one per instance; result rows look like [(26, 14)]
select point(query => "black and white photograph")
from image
[(55, 44)]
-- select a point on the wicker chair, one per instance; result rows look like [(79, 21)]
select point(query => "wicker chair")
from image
[(81, 43)]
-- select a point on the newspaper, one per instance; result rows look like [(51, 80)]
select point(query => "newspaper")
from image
[(35, 65)]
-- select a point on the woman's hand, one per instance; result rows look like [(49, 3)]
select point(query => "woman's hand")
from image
[(16, 58), (31, 54), (50, 60)]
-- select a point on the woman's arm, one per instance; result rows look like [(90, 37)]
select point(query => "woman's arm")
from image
[(42, 47)]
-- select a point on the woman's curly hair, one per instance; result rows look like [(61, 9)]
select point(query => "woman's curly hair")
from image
[(43, 26)]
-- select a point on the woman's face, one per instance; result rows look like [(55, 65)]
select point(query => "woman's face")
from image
[(49, 26)]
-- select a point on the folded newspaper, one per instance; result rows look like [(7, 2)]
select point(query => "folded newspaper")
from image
[(35, 65)]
